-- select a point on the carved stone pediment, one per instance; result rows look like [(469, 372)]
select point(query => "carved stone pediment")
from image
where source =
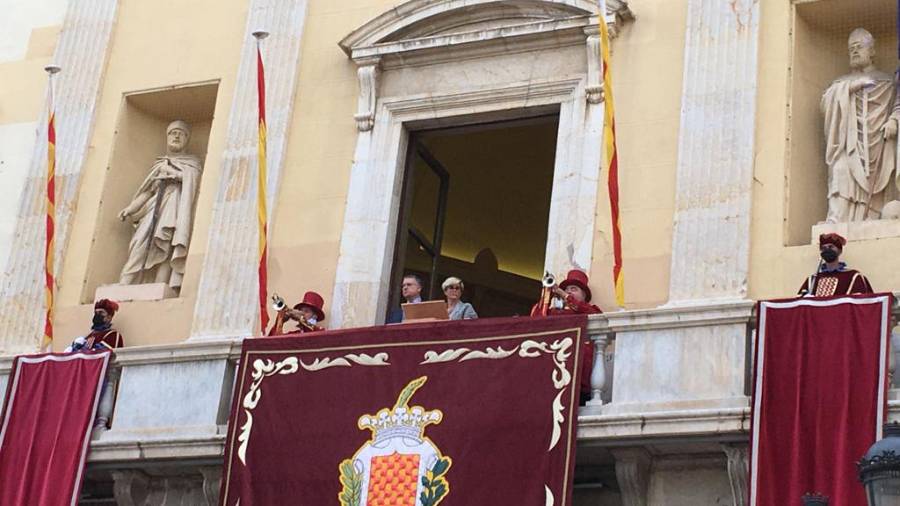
[(427, 26), (431, 32)]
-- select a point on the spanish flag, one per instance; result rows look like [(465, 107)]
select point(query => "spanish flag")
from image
[(261, 194), (611, 159), (49, 281)]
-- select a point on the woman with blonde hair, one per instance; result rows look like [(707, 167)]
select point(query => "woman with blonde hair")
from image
[(456, 308)]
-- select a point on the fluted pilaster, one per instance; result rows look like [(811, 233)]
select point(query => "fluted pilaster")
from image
[(711, 241), (81, 52), (228, 282)]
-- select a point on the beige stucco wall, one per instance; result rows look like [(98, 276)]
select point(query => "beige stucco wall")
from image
[(789, 89), (200, 42)]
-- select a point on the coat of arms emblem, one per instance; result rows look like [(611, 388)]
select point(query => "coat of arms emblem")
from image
[(398, 466)]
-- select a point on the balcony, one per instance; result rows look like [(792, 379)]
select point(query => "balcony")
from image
[(674, 383)]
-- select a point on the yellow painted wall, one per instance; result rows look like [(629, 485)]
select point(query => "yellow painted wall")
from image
[(200, 42)]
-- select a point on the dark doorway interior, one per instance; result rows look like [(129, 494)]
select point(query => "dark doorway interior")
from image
[(475, 205)]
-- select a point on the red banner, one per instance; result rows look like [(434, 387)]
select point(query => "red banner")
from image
[(47, 419), (474, 412), (819, 396)]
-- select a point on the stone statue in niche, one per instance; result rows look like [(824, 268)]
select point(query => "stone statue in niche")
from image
[(861, 113), (161, 213)]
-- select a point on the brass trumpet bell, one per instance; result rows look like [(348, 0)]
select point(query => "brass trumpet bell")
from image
[(549, 280), (278, 303)]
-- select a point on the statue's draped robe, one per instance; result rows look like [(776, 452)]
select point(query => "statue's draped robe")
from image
[(849, 118), (168, 241)]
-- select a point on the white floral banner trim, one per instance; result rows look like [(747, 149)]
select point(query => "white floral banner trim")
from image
[(264, 368), (561, 377)]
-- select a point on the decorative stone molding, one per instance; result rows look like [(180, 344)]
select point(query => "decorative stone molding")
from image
[(133, 487), (715, 152), (428, 32), (228, 306), (212, 480), (130, 487), (594, 88), (633, 474), (737, 472), (368, 93), (363, 271), (424, 34), (81, 52)]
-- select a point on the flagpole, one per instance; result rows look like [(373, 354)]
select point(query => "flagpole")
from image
[(262, 213), (611, 158), (49, 246)]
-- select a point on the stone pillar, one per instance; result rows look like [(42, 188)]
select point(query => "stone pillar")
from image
[(227, 303), (81, 52), (711, 240)]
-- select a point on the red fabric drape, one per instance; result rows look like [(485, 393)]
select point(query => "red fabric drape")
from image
[(819, 396), (48, 414), (506, 388)]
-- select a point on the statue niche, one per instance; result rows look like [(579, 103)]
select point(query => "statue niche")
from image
[(861, 113), (161, 214)]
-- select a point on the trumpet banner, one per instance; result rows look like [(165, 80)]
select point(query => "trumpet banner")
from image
[(465, 412)]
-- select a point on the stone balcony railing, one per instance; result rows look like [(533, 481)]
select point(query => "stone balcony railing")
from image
[(667, 374)]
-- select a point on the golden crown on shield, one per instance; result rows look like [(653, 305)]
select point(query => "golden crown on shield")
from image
[(401, 420)]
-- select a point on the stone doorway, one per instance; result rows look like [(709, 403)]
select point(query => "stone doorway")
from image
[(476, 205)]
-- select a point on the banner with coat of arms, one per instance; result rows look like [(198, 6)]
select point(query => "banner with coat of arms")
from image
[(468, 412)]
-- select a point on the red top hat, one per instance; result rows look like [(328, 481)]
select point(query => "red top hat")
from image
[(579, 279), (109, 306), (313, 301), (832, 238)]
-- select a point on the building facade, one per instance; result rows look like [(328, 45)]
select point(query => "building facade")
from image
[(442, 137)]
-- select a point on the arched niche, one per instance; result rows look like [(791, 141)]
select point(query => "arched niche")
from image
[(434, 63)]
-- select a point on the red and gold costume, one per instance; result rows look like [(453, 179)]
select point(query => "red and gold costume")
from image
[(572, 306), (111, 339), (104, 337), (836, 282), (311, 300), (843, 282)]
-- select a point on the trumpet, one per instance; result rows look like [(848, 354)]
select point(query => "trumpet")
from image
[(281, 307), (278, 303), (549, 280)]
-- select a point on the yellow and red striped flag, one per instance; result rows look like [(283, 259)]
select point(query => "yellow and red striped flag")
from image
[(49, 281), (611, 159), (261, 193)]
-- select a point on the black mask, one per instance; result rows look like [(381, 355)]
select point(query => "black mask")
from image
[(98, 320), (829, 255)]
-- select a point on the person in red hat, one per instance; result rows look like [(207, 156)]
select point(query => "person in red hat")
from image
[(575, 297), (833, 277), (102, 336), (308, 313)]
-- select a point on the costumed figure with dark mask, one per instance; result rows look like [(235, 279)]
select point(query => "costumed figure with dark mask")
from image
[(307, 314), (571, 296), (102, 335), (833, 277)]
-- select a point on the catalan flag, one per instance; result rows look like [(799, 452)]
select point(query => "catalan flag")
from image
[(611, 160), (261, 193), (49, 281)]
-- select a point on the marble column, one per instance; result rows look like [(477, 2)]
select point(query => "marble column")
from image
[(711, 240), (228, 304), (81, 52)]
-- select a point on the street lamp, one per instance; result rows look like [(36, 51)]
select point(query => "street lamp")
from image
[(814, 500), (879, 469)]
